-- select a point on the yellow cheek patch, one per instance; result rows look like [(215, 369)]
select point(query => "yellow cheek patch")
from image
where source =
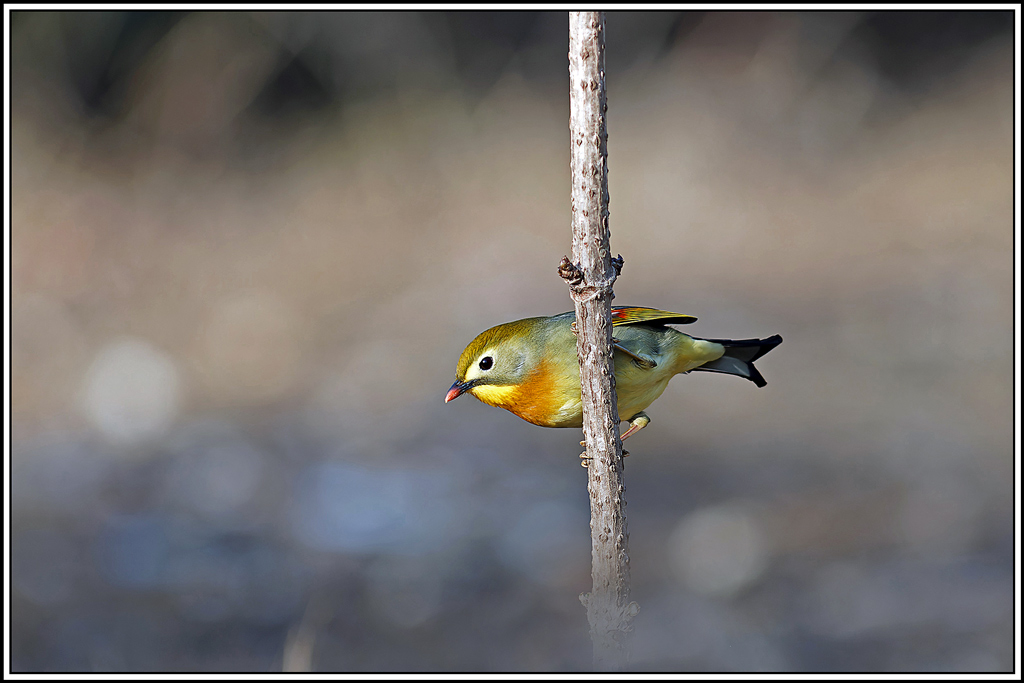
[(494, 395)]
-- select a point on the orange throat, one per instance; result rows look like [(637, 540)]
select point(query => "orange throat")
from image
[(533, 400)]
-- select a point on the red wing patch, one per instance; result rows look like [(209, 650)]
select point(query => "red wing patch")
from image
[(630, 315)]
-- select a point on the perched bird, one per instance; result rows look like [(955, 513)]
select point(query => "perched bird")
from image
[(530, 366)]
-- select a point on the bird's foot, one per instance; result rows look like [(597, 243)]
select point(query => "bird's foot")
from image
[(585, 459), (636, 423)]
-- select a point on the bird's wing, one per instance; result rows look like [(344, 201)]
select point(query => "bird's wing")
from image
[(631, 315)]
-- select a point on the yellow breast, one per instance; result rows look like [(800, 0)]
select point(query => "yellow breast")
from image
[(636, 388)]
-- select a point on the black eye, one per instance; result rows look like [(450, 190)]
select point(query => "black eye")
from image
[(486, 362)]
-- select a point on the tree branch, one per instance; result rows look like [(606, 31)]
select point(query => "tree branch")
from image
[(590, 277)]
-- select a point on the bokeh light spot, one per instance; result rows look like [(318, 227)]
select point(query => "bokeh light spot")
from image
[(717, 551), (131, 391)]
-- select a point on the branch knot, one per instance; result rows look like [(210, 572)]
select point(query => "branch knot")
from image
[(581, 291), (617, 265), (570, 272)]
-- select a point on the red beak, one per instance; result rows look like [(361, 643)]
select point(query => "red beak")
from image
[(458, 389)]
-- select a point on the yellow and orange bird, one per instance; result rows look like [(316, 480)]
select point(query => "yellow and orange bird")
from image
[(530, 367)]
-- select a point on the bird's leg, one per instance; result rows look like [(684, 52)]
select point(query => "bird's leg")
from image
[(636, 423)]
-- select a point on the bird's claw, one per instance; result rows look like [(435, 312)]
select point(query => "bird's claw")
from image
[(585, 459)]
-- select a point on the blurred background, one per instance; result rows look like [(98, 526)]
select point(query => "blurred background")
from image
[(249, 247)]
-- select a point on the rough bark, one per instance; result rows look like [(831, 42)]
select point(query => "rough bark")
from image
[(590, 276)]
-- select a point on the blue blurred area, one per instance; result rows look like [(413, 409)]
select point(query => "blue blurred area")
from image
[(248, 248)]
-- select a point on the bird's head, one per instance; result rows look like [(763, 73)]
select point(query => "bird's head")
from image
[(498, 361)]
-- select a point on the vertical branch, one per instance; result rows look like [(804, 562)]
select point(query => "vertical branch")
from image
[(590, 283)]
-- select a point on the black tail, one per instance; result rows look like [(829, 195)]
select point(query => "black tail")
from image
[(740, 355)]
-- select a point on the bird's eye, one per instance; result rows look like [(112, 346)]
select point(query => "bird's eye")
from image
[(486, 362)]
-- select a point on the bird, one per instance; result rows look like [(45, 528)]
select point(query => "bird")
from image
[(530, 367)]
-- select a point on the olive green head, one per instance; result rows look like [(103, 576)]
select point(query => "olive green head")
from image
[(502, 356)]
